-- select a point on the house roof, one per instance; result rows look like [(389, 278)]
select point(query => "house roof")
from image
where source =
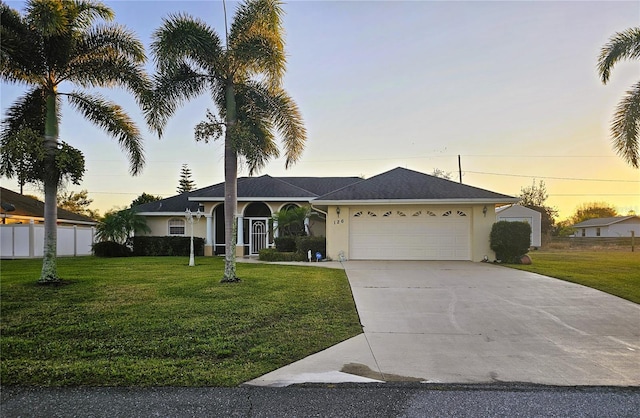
[(29, 207), (174, 204), (604, 221), (267, 187), (517, 209), (401, 184), (397, 184)]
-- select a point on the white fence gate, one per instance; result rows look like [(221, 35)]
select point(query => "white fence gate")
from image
[(27, 240)]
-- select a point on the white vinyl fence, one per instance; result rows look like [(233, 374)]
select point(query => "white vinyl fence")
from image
[(27, 240)]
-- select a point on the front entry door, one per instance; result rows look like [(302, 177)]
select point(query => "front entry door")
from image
[(258, 235)]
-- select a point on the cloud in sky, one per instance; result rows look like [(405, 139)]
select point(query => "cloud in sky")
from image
[(512, 87)]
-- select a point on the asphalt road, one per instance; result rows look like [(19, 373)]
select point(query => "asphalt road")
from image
[(345, 400)]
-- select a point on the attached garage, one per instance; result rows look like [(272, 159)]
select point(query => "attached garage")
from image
[(410, 233), (407, 215)]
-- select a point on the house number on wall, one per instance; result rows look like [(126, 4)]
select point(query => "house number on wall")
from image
[(338, 221)]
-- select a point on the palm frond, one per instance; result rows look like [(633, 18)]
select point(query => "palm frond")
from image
[(622, 45), (171, 89), (625, 127), (111, 40), (28, 111), (108, 56), (114, 120), (87, 12), (283, 112), (20, 59), (184, 39), (256, 40)]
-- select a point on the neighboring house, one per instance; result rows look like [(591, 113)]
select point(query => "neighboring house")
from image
[(518, 213), (618, 226), (400, 214), (22, 228)]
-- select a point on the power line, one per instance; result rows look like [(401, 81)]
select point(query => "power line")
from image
[(553, 178)]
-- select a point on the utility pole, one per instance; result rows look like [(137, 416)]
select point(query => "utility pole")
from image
[(459, 169)]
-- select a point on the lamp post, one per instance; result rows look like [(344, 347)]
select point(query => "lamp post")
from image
[(189, 215)]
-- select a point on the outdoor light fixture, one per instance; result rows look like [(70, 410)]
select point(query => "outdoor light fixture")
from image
[(189, 215), (484, 211), (338, 211)]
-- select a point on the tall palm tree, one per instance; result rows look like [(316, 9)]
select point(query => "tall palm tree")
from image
[(625, 127), (56, 45), (244, 78)]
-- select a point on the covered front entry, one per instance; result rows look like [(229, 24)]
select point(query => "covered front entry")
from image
[(410, 233), (257, 232)]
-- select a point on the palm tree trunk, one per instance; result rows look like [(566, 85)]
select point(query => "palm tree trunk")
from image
[(49, 272), (230, 189)]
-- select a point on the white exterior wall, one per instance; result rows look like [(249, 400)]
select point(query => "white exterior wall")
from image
[(620, 229), (159, 226), (27, 240)]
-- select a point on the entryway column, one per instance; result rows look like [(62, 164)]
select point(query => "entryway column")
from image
[(240, 233), (208, 243)]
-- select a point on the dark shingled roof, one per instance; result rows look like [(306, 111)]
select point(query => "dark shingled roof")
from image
[(398, 184), (28, 206), (404, 184), (178, 203), (286, 187)]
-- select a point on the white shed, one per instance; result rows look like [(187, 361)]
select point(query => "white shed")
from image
[(517, 213)]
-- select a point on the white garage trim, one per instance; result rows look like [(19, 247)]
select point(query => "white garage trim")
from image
[(410, 233)]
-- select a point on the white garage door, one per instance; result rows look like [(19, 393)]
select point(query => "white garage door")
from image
[(410, 233)]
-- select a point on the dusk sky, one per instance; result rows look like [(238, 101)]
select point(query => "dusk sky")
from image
[(512, 87)]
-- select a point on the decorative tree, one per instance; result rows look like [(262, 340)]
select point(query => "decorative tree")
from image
[(593, 210), (77, 202), (57, 44), (244, 77), (186, 184), (144, 198), (535, 197)]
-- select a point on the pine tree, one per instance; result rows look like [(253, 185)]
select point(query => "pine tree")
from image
[(185, 184)]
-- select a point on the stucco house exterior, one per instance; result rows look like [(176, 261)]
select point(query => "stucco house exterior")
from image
[(400, 214), (518, 213), (618, 226)]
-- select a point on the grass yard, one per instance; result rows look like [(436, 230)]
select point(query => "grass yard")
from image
[(617, 273), (154, 321)]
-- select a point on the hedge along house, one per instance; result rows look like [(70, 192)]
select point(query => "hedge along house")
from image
[(518, 213), (397, 215)]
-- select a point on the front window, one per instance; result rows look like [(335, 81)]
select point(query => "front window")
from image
[(176, 227), (597, 232), (583, 232)]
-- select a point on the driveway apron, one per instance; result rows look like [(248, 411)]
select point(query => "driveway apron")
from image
[(464, 322)]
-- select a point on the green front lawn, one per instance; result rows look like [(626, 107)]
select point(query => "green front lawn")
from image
[(614, 272), (154, 321)]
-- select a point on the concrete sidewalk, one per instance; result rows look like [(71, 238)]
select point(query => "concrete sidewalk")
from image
[(463, 322)]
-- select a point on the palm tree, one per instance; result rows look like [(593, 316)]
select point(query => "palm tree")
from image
[(244, 78), (118, 226), (55, 44), (625, 127)]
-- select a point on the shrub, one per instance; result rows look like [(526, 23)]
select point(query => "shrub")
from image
[(167, 246), (285, 244), (510, 240), (271, 254), (110, 249), (315, 244)]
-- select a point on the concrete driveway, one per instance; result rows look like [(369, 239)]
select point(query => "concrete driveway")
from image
[(463, 322)]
